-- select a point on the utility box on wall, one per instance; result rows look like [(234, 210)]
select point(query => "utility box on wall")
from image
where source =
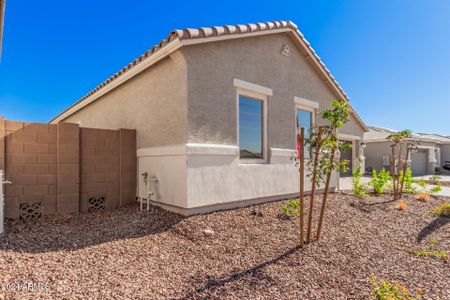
[(55, 168)]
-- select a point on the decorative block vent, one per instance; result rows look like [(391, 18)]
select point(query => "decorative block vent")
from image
[(30, 210), (97, 204)]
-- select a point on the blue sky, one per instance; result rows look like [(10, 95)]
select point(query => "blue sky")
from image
[(391, 57)]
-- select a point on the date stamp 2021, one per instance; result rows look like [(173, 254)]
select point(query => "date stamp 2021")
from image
[(23, 287)]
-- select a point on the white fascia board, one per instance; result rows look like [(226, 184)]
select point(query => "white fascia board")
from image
[(306, 102), (256, 88), (149, 61)]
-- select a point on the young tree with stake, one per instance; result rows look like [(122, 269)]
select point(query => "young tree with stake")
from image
[(399, 139), (337, 116)]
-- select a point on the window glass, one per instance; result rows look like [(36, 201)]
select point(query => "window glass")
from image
[(250, 128), (304, 119)]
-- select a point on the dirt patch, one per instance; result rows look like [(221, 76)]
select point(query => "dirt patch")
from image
[(159, 255)]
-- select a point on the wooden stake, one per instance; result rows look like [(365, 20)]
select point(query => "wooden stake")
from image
[(408, 149), (313, 182), (394, 189), (325, 196), (302, 186)]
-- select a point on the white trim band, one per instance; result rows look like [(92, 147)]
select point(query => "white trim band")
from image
[(189, 149), (252, 87), (306, 102), (279, 152)]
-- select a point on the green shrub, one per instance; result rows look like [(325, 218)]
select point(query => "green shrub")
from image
[(435, 179), (432, 251), (291, 207), (435, 189), (408, 185), (442, 210), (358, 187), (391, 290), (380, 181)]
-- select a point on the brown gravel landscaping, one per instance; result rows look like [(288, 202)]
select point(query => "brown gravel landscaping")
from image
[(126, 254)]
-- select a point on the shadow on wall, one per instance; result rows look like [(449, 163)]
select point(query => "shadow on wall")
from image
[(77, 231)]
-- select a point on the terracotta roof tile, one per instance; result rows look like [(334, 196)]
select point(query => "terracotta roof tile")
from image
[(205, 32)]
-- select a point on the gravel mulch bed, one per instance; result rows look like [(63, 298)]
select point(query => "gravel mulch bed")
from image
[(126, 254)]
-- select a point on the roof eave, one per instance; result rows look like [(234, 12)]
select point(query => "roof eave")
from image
[(178, 38)]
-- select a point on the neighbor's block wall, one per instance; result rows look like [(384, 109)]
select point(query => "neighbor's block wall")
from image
[(68, 168), (128, 165), (61, 165), (30, 164), (99, 166)]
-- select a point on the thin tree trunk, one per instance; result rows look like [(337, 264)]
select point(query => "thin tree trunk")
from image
[(404, 172), (325, 195), (394, 189), (313, 182), (302, 187), (399, 167)]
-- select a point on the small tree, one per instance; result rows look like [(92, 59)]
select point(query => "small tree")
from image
[(337, 116), (316, 141), (324, 145), (399, 140)]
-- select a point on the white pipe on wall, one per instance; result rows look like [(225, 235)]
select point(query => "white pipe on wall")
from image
[(2, 203)]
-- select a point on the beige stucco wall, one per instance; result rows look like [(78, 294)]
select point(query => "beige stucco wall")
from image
[(212, 96), (375, 151), (445, 153), (153, 102)]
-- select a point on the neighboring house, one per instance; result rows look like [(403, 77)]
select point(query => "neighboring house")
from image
[(428, 158), (2, 17), (215, 111)]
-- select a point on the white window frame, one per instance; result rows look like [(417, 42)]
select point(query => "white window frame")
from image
[(251, 90), (306, 105)]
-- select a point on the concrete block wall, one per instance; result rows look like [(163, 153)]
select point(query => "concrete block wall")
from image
[(60, 166), (100, 166)]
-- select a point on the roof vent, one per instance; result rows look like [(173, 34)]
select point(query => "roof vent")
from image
[(285, 51)]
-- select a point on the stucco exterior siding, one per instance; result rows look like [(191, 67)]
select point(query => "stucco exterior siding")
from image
[(212, 108), (153, 102), (374, 153), (184, 110), (445, 153)]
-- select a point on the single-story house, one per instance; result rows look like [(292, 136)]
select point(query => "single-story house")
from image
[(427, 158), (215, 110)]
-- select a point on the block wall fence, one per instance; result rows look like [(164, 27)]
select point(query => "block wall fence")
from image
[(63, 168)]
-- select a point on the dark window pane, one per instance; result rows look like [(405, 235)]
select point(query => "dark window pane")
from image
[(304, 120), (250, 128)]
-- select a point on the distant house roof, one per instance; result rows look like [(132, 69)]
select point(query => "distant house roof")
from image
[(178, 38), (380, 134)]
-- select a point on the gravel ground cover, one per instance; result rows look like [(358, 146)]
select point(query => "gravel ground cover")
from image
[(126, 254)]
